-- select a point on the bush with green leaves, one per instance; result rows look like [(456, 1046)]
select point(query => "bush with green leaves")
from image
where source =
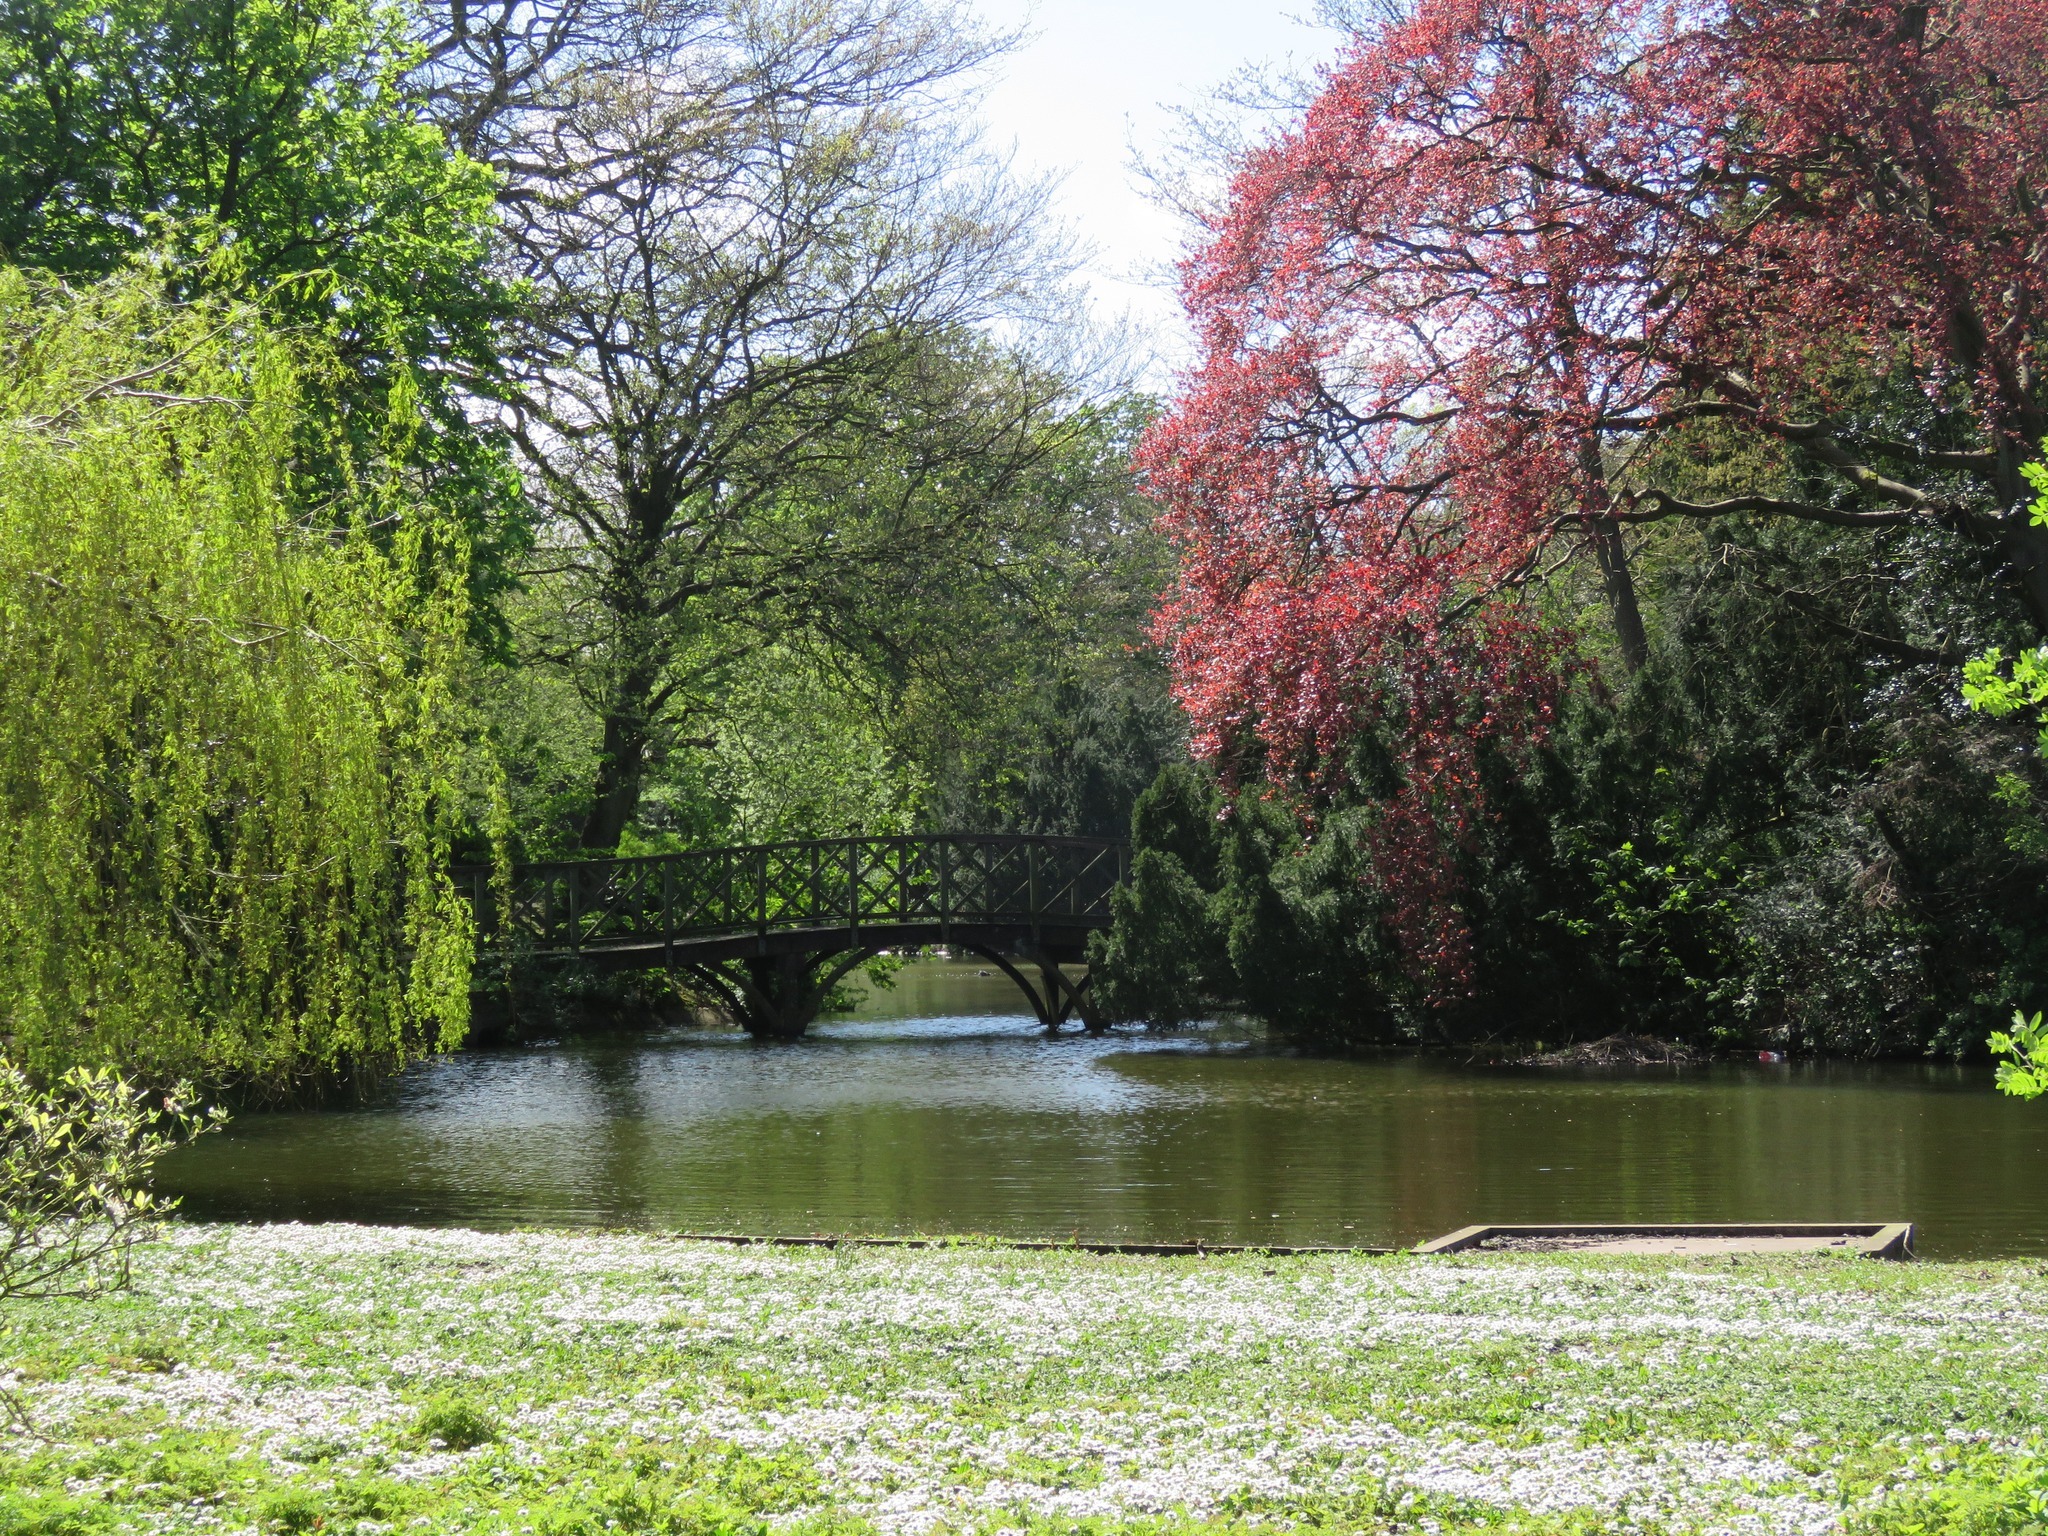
[(2024, 1073), (2021, 689), (455, 1423), (1228, 906), (75, 1162), (236, 746)]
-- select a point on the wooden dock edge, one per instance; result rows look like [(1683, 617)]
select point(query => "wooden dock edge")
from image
[(1876, 1240)]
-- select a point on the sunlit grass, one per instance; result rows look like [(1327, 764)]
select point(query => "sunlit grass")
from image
[(362, 1379)]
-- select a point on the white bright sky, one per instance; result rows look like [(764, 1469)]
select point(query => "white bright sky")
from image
[(1094, 81)]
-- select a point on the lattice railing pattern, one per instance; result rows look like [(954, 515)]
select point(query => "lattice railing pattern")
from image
[(838, 883)]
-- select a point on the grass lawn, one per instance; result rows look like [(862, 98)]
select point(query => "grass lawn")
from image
[(365, 1379)]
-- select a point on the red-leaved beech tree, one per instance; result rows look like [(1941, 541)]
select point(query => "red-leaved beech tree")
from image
[(1462, 321)]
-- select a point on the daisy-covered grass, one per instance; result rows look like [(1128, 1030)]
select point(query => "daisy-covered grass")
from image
[(341, 1378)]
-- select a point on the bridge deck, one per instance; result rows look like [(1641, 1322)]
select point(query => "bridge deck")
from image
[(1009, 893)]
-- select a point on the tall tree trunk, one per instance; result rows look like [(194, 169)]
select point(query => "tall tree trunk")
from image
[(615, 795), (2022, 543), (2024, 546), (1612, 554)]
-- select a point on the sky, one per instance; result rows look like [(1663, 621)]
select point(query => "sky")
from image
[(1095, 81)]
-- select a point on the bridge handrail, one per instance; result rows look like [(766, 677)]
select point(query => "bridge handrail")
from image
[(465, 871), (567, 906)]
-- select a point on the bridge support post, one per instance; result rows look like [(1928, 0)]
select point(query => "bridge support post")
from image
[(781, 988), (777, 997), (1056, 998), (1066, 999)]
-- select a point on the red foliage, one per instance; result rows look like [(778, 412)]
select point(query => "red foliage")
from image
[(1512, 246), (1892, 167)]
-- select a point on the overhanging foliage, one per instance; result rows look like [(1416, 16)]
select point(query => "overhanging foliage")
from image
[(233, 761)]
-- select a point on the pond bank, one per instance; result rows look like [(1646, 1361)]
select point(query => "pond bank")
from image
[(374, 1379)]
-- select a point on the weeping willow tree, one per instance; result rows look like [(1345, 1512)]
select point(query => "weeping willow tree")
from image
[(231, 745)]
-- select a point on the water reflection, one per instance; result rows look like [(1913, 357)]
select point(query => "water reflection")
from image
[(975, 1121)]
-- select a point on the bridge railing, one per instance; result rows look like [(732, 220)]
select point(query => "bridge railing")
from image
[(846, 883)]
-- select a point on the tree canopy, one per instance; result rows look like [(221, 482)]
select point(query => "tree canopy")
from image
[(283, 152), (236, 752), (280, 137), (1527, 275), (759, 389)]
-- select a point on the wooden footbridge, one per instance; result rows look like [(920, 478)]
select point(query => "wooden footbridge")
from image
[(770, 929)]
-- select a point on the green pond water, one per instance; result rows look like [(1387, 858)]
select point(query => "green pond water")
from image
[(939, 1108)]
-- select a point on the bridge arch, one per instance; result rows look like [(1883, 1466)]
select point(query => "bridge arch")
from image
[(769, 928)]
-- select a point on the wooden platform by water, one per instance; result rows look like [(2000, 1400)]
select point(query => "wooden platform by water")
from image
[(1874, 1240)]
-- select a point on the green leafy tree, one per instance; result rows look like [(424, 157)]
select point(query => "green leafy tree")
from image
[(1996, 689), (279, 150), (1165, 959), (234, 758), (1992, 686), (755, 390), (278, 132), (1043, 706), (1230, 907)]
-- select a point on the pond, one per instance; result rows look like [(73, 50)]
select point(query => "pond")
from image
[(938, 1108)]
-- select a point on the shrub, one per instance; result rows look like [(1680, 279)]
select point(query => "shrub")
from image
[(75, 1162), (456, 1424)]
